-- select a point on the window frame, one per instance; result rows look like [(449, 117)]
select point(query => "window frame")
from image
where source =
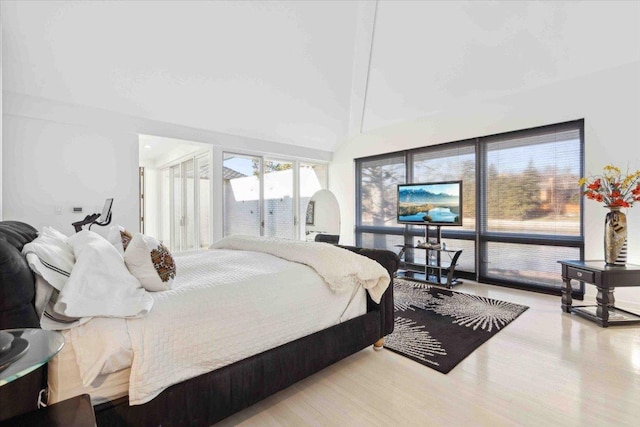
[(481, 236)]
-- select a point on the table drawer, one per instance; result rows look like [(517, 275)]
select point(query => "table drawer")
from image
[(584, 275)]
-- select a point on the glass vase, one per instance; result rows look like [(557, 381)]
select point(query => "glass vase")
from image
[(615, 237)]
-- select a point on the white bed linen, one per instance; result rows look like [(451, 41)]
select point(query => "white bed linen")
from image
[(226, 305), (341, 269), (65, 382)]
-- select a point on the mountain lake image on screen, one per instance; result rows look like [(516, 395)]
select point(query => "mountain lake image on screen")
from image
[(436, 203)]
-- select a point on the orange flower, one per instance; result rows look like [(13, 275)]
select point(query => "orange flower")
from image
[(595, 185), (620, 203), (612, 188)]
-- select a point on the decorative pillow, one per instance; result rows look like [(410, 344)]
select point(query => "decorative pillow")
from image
[(120, 238), (100, 284), (150, 262)]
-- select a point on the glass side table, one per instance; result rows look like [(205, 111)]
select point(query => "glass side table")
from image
[(43, 345)]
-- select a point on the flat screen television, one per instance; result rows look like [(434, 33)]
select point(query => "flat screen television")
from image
[(430, 203)]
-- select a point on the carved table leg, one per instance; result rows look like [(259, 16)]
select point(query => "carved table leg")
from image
[(605, 301), (566, 295)]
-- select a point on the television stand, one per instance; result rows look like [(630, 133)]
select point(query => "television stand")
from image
[(436, 270)]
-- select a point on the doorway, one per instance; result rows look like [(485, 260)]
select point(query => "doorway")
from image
[(177, 192)]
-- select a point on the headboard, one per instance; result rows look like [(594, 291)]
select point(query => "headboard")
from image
[(17, 283)]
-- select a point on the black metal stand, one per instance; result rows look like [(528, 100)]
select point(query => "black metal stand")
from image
[(432, 269)]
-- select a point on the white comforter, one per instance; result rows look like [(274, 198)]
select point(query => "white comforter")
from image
[(192, 329), (342, 269)]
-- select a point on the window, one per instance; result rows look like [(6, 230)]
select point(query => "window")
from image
[(531, 216), (278, 199), (521, 202), (449, 163), (452, 162), (531, 183), (242, 194), (378, 178), (268, 197)]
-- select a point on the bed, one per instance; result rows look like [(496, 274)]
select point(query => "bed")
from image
[(209, 396)]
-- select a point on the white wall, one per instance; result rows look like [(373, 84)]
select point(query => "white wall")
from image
[(448, 71), (271, 70), (48, 165), (152, 201), (63, 140), (430, 57), (608, 100)]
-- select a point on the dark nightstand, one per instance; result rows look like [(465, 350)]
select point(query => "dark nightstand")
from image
[(74, 412), (606, 278)]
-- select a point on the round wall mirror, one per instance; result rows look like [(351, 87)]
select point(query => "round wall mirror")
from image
[(323, 218)]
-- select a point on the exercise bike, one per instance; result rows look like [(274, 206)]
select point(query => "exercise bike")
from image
[(101, 219)]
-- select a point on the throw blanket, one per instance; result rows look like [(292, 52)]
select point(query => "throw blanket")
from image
[(341, 269)]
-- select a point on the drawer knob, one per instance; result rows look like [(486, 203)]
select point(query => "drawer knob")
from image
[(579, 274)]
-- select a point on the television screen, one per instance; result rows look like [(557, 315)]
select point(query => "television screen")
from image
[(434, 203)]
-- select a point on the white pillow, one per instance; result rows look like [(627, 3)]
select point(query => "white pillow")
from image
[(150, 262), (52, 232), (50, 257), (100, 284)]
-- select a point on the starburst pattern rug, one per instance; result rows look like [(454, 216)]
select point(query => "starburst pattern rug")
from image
[(439, 328)]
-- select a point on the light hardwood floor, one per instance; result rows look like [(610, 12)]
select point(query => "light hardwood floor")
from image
[(544, 369)]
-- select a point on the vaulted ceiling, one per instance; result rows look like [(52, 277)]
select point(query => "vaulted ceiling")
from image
[(307, 73)]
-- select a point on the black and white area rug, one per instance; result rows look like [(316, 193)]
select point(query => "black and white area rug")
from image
[(439, 328)]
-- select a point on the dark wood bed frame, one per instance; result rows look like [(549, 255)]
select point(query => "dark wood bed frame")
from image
[(210, 397)]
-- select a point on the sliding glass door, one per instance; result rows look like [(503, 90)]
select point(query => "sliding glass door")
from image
[(267, 196), (204, 191), (278, 198), (242, 188), (186, 204)]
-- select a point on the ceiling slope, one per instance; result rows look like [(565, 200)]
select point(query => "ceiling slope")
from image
[(277, 70), (307, 73)]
